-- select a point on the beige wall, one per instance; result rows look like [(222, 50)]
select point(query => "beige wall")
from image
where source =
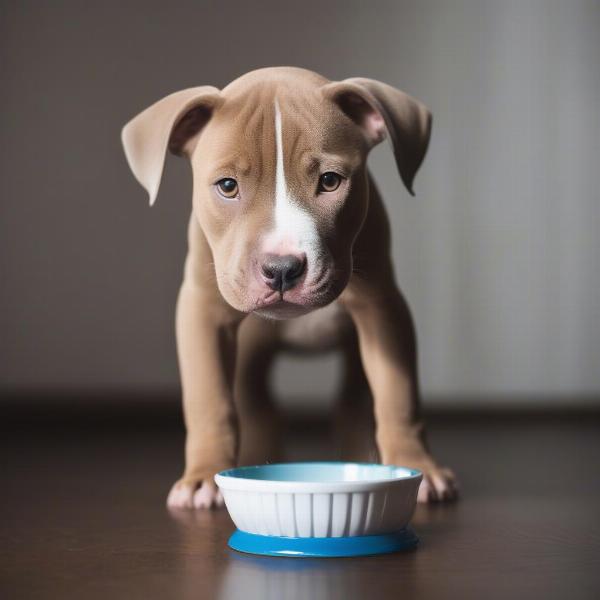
[(498, 253)]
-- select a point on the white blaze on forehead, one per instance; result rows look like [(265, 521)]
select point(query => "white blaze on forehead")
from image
[(295, 229)]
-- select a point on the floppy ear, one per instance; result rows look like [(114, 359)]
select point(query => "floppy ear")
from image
[(380, 110), (171, 123)]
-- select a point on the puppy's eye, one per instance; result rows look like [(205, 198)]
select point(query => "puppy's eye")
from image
[(329, 182), (228, 187)]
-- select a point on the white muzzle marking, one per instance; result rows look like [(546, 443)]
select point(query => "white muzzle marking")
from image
[(294, 228)]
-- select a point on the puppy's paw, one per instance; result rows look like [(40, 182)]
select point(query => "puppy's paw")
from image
[(439, 484), (186, 494)]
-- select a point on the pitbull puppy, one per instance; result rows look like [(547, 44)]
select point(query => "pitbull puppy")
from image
[(289, 247)]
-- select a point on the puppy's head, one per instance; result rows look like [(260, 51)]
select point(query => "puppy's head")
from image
[(279, 170)]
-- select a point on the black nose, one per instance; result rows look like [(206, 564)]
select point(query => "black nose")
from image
[(282, 273)]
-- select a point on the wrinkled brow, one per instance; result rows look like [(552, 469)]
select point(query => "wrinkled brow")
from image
[(233, 164), (313, 163)]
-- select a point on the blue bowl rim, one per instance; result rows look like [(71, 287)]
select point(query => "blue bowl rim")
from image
[(365, 545)]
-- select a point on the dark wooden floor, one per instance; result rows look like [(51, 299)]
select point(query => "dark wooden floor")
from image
[(83, 517)]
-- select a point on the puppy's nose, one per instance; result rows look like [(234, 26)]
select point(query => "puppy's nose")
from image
[(282, 273)]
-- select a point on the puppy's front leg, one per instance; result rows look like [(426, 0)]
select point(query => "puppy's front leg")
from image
[(388, 350), (206, 343)]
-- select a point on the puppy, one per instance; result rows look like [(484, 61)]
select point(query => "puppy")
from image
[(289, 247)]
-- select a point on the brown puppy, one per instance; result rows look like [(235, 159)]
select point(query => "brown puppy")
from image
[(286, 224)]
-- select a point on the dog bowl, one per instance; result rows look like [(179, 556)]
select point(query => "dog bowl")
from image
[(320, 508)]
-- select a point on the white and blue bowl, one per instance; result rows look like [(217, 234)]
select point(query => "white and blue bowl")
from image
[(320, 508)]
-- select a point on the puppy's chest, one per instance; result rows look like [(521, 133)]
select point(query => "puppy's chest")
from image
[(321, 329)]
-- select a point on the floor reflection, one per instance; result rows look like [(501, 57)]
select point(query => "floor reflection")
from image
[(279, 578), (265, 578)]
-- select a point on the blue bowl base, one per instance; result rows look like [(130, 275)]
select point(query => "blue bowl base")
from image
[(364, 545)]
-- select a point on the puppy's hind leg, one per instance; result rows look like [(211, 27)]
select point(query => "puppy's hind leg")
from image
[(354, 424), (260, 426)]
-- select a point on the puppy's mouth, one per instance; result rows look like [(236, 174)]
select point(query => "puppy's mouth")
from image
[(297, 301), (278, 305), (281, 309)]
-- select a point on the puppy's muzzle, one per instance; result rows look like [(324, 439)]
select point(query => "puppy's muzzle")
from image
[(282, 273)]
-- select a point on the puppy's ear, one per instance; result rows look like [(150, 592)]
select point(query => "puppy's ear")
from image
[(171, 123), (380, 110)]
